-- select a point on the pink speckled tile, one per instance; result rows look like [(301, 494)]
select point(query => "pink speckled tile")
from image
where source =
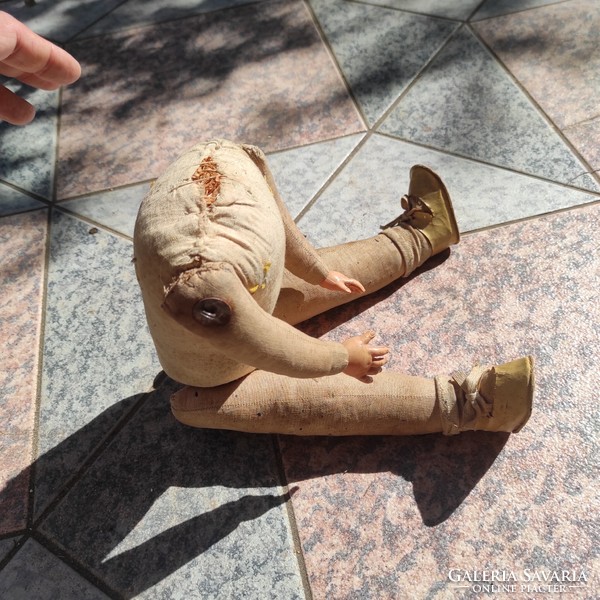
[(586, 138), (22, 247), (553, 52), (389, 517), (257, 73)]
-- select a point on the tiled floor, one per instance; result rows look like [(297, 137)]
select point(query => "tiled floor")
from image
[(104, 495)]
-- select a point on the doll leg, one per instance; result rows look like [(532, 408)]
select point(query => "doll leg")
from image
[(491, 399), (426, 227), (375, 262)]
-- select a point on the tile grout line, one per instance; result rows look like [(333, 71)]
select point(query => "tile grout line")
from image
[(534, 103), (89, 220), (372, 129), (61, 554), (293, 523), (479, 161), (332, 57), (532, 217), (513, 12), (406, 11)]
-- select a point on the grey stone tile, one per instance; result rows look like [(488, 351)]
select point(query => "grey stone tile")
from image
[(366, 194), (35, 573), (466, 103), (300, 173), (457, 9), (116, 209), (98, 355), (494, 8), (169, 511), (140, 12), (13, 201), (7, 545), (59, 20), (27, 153), (379, 50)]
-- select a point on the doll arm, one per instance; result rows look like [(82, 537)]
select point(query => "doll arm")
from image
[(300, 257), (215, 305)]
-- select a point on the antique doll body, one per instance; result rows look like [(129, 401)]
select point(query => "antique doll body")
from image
[(225, 274)]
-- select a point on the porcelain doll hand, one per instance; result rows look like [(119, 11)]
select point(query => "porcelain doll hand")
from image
[(338, 282), (364, 360)]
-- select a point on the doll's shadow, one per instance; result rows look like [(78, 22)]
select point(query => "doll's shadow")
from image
[(160, 494), (327, 321), (442, 471)]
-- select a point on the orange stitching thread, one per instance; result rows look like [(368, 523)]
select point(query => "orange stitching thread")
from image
[(207, 173)]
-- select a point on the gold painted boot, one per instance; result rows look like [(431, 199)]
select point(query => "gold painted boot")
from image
[(428, 208), (487, 399)]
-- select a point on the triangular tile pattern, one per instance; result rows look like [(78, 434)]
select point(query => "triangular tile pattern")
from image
[(239, 74), (59, 21), (137, 13), (466, 103), (35, 572), (494, 8), (22, 248), (366, 194), (27, 154), (553, 52), (300, 173), (98, 356), (169, 511), (379, 50), (115, 209), (13, 201), (457, 9), (388, 517)]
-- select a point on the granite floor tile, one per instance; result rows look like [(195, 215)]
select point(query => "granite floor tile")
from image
[(366, 194), (138, 12), (116, 209), (389, 517), (35, 572), (22, 247), (169, 511), (27, 154), (59, 20), (584, 136), (239, 74), (466, 103), (98, 356), (379, 50), (553, 52), (300, 173), (457, 9), (15, 458), (13, 201), (495, 8), (7, 545)]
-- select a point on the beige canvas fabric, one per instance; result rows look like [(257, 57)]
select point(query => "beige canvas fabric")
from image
[(213, 225), (214, 229)]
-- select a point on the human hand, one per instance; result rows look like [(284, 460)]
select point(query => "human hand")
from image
[(31, 59), (338, 282), (364, 360)]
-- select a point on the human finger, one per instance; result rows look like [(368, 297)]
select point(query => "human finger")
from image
[(23, 50), (14, 109)]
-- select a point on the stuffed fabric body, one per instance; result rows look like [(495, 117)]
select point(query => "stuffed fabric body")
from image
[(212, 227)]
